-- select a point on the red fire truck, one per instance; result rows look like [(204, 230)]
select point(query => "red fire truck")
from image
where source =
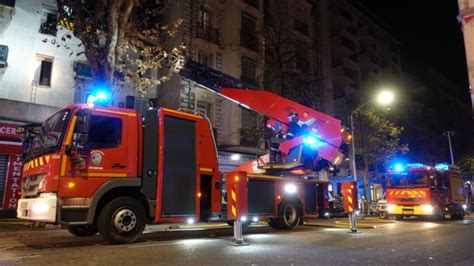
[(110, 170), (425, 191)]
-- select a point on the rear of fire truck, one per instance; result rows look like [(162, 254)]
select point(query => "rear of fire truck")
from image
[(425, 191)]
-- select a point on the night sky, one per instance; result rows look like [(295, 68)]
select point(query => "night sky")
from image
[(429, 33)]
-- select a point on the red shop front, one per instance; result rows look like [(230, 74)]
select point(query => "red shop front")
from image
[(10, 166)]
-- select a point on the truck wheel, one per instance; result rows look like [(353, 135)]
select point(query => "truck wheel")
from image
[(289, 215), (122, 220), (383, 215), (459, 215), (82, 230), (274, 223), (398, 217), (439, 215)]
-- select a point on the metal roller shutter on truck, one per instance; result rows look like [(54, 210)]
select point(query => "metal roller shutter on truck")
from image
[(3, 176)]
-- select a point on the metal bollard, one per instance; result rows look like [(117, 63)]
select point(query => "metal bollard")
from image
[(352, 222), (238, 237)]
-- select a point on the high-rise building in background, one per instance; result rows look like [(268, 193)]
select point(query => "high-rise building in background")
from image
[(365, 55)]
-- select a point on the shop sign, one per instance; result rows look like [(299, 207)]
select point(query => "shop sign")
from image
[(12, 183)]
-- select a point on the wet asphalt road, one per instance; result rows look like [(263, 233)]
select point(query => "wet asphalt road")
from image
[(408, 242)]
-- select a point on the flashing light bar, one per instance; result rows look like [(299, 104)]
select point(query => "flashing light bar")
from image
[(401, 167), (442, 166)]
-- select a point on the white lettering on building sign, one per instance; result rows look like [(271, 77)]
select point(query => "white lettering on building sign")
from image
[(13, 183), (7, 130)]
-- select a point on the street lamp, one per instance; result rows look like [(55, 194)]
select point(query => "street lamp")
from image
[(384, 98), (449, 134)]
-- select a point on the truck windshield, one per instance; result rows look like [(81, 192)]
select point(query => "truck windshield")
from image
[(47, 137), (410, 179)]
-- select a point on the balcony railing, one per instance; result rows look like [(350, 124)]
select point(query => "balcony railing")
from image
[(249, 41), (253, 3), (301, 27), (347, 73), (250, 80), (348, 43), (10, 3), (208, 33)]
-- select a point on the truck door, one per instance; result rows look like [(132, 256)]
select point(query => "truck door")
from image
[(106, 156), (178, 183)]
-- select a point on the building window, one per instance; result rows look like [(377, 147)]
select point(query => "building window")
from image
[(46, 70), (301, 27), (204, 109), (248, 38), (83, 70), (49, 23), (345, 14), (302, 58), (205, 58), (3, 56), (204, 18), (249, 67), (253, 3)]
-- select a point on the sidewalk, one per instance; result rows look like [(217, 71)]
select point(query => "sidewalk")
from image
[(16, 225), (369, 222)]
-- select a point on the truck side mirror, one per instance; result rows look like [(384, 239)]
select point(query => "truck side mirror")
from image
[(82, 127), (83, 121)]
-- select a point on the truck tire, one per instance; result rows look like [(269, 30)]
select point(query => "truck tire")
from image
[(82, 230), (458, 215), (122, 220), (274, 223), (398, 217), (438, 214), (289, 215)]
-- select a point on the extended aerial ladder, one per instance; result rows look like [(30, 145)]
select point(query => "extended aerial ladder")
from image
[(321, 146)]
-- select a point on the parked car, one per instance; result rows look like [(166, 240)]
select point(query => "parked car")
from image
[(336, 208), (381, 207)]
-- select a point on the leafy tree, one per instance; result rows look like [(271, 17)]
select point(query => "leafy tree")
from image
[(377, 141), (467, 165), (122, 40), (289, 58)]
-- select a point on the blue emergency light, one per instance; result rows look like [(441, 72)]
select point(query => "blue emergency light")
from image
[(442, 166), (312, 141), (99, 97), (403, 167), (399, 167)]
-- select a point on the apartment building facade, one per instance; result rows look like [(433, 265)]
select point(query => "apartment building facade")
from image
[(296, 65), (222, 36), (364, 54)]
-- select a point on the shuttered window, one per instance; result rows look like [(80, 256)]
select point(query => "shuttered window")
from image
[(3, 176)]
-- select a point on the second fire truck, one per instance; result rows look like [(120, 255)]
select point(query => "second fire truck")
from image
[(425, 191)]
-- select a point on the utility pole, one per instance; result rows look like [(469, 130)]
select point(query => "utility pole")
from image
[(449, 134)]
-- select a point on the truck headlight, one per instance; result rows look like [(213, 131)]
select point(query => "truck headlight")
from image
[(427, 208), (40, 207), (290, 188), (464, 206), (391, 207)]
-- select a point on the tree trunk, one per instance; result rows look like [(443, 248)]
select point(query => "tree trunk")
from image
[(366, 186)]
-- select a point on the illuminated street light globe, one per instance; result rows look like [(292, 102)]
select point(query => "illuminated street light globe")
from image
[(385, 97)]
